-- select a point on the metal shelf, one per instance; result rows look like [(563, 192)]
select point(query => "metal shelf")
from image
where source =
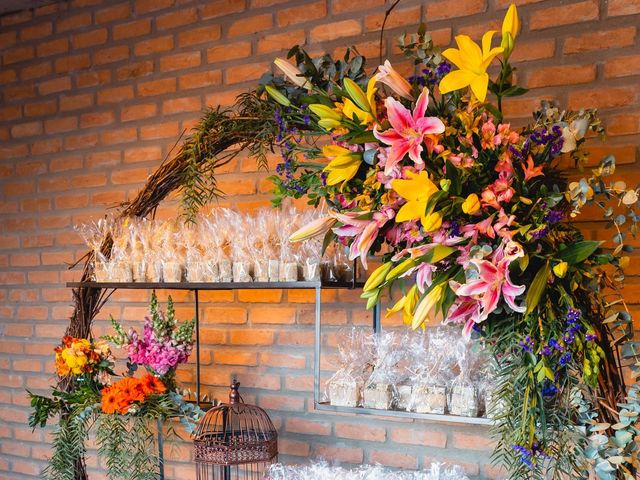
[(302, 285), (325, 407)]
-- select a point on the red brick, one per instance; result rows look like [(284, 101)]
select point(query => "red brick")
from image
[(111, 54), (142, 154), (26, 129), (602, 98), (53, 47), (422, 437), (89, 180), (60, 124), (538, 50), (181, 105), (154, 45), (250, 25), (36, 71), (223, 53), (18, 54), (96, 119), (64, 164), (180, 61), (453, 8), (132, 29), (64, 202), (76, 102), (196, 36), (245, 73), (17, 17), (467, 441), (161, 130), (78, 142), (137, 112), (135, 70), (36, 31), (235, 358), (359, 431), (13, 151), (564, 15), (622, 66), (600, 40), (624, 124), (398, 18), (177, 19), (46, 146), (146, 6), (10, 112), (19, 92), (8, 76), (251, 337), (307, 427), (199, 79), (120, 135), (115, 94), (89, 39), (303, 13), (333, 31), (157, 87), (221, 8), (8, 39), (56, 85), (108, 199), (338, 453), (73, 22), (616, 8), (113, 13), (72, 62), (91, 79), (279, 315), (103, 159), (561, 75), (280, 41), (394, 459)]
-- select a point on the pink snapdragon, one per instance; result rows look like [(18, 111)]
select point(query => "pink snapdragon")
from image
[(160, 355)]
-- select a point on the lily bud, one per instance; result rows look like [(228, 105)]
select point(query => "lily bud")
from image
[(329, 118), (426, 307), (560, 270), (356, 94), (432, 222), (471, 205), (277, 96), (313, 229), (292, 73), (510, 29), (377, 277)]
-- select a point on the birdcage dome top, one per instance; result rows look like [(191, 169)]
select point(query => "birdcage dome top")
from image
[(235, 433)]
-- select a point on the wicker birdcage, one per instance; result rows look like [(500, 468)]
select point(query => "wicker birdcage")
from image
[(235, 441)]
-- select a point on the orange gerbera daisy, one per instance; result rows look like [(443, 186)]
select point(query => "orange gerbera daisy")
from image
[(131, 389), (151, 385), (110, 401)]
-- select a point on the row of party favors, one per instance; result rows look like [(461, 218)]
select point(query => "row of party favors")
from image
[(324, 471), (222, 246), (434, 371)]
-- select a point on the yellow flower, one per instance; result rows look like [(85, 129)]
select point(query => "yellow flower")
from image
[(426, 309), (329, 118), (510, 29), (432, 222), (471, 205), (472, 62), (349, 109), (560, 270), (377, 277), (417, 191), (407, 304), (344, 163)]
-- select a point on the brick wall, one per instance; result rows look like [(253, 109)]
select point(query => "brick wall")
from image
[(94, 94)]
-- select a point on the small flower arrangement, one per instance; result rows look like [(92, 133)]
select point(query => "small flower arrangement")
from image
[(163, 345), (79, 356), (127, 393), (121, 409)]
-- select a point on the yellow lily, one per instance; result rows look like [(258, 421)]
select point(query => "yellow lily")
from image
[(417, 191), (329, 118), (407, 304), (560, 270), (473, 63), (510, 29), (426, 309), (343, 165)]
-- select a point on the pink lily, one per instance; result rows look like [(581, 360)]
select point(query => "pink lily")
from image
[(407, 131), (464, 310), (364, 231), (493, 282), (389, 76)]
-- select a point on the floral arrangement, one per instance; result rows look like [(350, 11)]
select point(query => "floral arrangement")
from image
[(471, 219), (123, 410), (78, 356), (163, 346)]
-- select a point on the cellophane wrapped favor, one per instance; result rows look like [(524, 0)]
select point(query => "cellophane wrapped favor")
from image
[(380, 390), (345, 387)]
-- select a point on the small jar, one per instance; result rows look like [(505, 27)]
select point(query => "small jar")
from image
[(172, 272)]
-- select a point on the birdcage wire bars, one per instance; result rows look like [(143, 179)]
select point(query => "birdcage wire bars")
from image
[(235, 441)]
